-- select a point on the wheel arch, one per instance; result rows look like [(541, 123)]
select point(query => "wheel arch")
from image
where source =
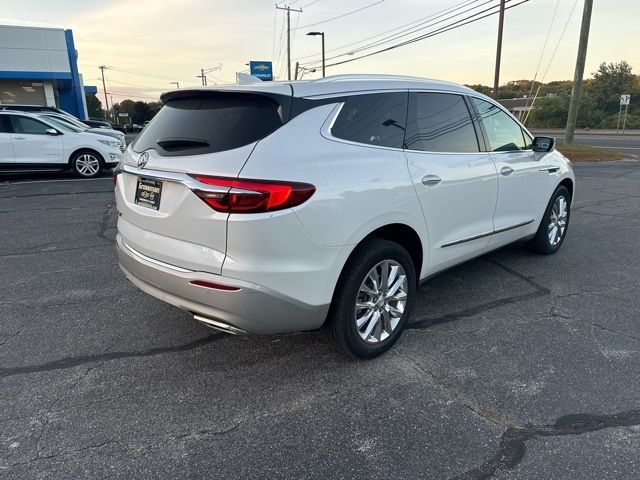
[(403, 235), (80, 150), (568, 184)]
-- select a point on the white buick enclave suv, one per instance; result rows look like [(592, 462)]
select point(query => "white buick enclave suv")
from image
[(278, 207)]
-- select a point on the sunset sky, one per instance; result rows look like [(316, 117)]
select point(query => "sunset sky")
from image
[(151, 43)]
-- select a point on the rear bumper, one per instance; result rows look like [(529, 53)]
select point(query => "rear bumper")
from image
[(252, 309)]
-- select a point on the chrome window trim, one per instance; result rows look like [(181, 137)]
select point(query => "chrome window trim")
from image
[(325, 131)]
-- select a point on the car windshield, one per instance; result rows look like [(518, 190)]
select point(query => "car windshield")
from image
[(69, 120), (64, 126)]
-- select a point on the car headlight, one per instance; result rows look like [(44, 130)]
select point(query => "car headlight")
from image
[(110, 143)]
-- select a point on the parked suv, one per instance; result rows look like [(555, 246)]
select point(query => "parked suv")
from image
[(31, 141), (279, 207)]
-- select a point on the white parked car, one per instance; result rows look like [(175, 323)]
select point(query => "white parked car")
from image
[(34, 141), (75, 124), (280, 207)]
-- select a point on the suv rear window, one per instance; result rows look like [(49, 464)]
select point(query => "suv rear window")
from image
[(211, 123)]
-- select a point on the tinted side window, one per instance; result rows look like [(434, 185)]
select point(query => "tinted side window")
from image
[(503, 131), (440, 122), (28, 125), (211, 123), (374, 119), (5, 127)]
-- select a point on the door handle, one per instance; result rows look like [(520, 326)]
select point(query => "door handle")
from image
[(506, 171), (19, 138), (431, 180)]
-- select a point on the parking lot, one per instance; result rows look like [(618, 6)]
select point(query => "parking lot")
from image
[(514, 365)]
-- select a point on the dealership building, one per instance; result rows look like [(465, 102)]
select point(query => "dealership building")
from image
[(38, 66)]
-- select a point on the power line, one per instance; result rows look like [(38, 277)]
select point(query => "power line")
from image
[(555, 50), (544, 47), (343, 15), (142, 74), (421, 26), (400, 27), (457, 24)]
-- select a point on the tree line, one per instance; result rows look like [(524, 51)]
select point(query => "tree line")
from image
[(139, 112), (599, 103)]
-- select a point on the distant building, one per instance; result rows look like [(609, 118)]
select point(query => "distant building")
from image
[(38, 66), (517, 106)]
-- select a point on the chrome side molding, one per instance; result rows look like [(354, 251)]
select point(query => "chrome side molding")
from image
[(486, 234)]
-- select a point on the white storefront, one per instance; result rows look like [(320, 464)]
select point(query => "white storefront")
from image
[(38, 66)]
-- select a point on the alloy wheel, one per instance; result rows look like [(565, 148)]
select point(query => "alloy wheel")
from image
[(87, 165), (558, 220), (381, 301)]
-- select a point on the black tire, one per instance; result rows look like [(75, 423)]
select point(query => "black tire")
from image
[(541, 242), (340, 326), (81, 160)]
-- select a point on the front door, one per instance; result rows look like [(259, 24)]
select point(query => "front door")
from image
[(456, 182), (32, 144), (522, 177), (6, 148)]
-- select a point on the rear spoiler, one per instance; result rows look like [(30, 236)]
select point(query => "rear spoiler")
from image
[(283, 101)]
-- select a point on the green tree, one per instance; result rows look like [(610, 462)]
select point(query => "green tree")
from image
[(484, 89), (155, 107), (94, 107), (141, 112), (609, 82)]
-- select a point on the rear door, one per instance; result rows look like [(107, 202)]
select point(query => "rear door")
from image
[(194, 136), (32, 145), (456, 182), (6, 148), (522, 178)]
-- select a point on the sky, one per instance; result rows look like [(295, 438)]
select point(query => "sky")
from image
[(151, 43)]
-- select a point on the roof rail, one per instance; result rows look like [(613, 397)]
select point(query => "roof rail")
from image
[(366, 76)]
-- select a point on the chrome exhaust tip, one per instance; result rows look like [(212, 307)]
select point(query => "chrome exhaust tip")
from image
[(218, 325)]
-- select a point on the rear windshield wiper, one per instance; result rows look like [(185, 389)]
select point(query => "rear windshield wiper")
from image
[(178, 142)]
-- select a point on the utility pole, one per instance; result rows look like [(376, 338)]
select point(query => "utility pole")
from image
[(579, 73), (203, 77), (288, 9), (177, 84), (496, 79), (104, 89), (295, 77), (203, 74)]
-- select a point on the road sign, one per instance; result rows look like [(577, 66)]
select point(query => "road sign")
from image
[(625, 99), (262, 70), (123, 114)]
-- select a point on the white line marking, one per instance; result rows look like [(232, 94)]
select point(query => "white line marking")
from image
[(615, 148), (62, 180)]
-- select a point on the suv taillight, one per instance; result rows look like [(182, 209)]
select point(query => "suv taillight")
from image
[(253, 196)]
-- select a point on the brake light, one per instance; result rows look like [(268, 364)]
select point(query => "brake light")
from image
[(253, 196)]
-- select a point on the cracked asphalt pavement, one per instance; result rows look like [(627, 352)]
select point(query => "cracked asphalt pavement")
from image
[(514, 366)]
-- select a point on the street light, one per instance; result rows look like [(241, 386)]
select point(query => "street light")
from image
[(313, 34), (177, 84)]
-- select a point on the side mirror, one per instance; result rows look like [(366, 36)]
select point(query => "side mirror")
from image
[(544, 144), (52, 131)]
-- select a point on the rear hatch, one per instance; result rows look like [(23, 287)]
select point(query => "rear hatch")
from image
[(197, 133)]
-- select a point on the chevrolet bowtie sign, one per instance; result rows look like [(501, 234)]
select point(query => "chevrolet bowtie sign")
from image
[(262, 70)]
